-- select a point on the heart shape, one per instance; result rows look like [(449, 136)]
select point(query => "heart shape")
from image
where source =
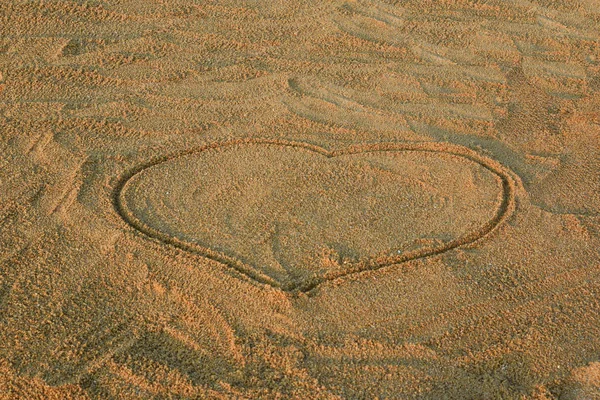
[(294, 215)]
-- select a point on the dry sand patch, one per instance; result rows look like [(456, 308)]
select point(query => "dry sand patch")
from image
[(93, 90)]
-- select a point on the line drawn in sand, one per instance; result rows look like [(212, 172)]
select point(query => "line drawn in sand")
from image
[(326, 221)]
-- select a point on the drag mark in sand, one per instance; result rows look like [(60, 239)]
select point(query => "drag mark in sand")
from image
[(293, 215)]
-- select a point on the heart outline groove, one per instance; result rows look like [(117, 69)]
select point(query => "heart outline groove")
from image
[(501, 214)]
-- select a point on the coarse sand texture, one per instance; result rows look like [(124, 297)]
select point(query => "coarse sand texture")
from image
[(302, 199)]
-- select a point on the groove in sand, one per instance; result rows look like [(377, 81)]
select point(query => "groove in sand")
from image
[(505, 207)]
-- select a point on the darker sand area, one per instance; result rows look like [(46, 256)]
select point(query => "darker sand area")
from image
[(347, 199)]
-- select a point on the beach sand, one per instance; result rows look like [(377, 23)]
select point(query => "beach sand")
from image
[(299, 199)]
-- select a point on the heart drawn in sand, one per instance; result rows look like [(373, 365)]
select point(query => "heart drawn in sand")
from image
[(294, 215)]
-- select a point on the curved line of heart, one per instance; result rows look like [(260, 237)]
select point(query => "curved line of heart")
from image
[(504, 210)]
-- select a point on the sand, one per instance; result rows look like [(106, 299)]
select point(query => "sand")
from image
[(311, 200)]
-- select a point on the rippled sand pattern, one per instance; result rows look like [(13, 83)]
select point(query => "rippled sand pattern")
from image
[(94, 93)]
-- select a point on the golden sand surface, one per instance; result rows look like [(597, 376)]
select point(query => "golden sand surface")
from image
[(343, 199)]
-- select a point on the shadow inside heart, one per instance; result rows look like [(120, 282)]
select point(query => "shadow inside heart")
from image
[(294, 215)]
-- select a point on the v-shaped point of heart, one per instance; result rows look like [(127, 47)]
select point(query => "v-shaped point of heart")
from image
[(293, 215)]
